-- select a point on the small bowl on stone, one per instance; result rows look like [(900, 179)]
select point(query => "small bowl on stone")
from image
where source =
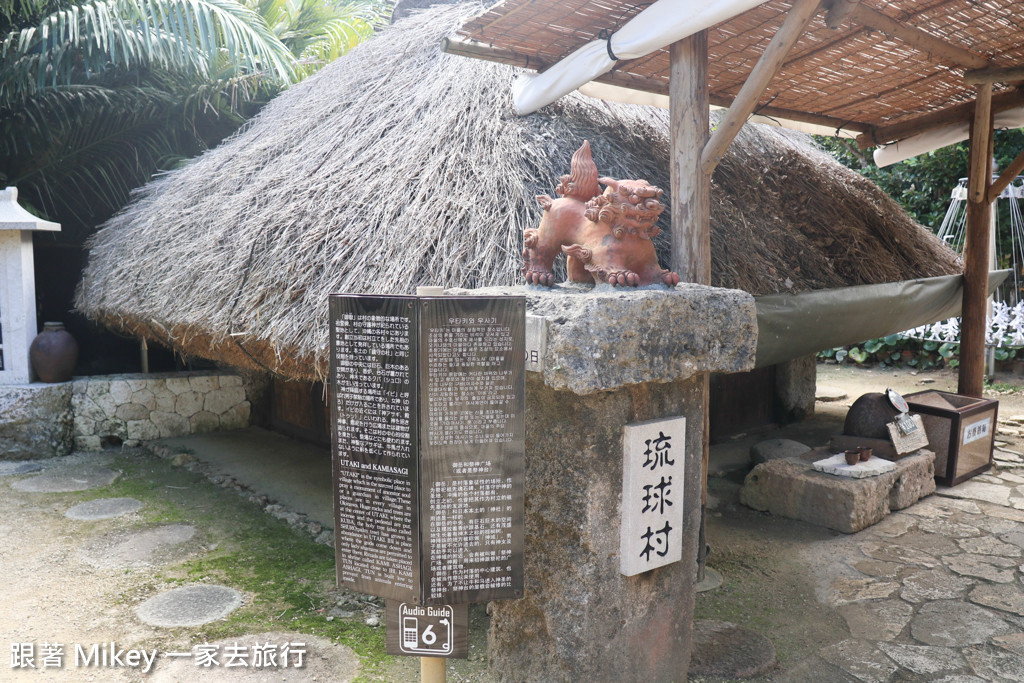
[(865, 453), (852, 457)]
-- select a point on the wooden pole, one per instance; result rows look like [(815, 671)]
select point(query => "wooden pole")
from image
[(979, 76), (433, 670), (689, 121), (767, 66), (689, 132), (1001, 183), (915, 37), (976, 256)]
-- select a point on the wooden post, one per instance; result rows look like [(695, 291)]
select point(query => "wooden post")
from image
[(433, 670), (691, 193), (976, 256), (1007, 177), (691, 200), (800, 15)]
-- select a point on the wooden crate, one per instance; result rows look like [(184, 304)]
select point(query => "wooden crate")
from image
[(961, 430)]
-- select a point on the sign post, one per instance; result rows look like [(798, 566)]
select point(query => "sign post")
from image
[(428, 411)]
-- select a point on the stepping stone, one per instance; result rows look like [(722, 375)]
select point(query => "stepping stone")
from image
[(827, 394), (975, 490), (988, 567), (725, 650), (934, 584), (948, 529), (189, 606), (712, 580), (846, 590), (877, 568), (140, 547), (322, 660), (986, 545), (876, 620), (894, 526), (1013, 642), (953, 623), (860, 660), (64, 481), (1004, 667), (923, 659), (889, 552), (773, 449), (103, 508), (9, 468), (1005, 597)]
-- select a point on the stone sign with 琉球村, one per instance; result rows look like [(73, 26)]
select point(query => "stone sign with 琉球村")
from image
[(652, 494)]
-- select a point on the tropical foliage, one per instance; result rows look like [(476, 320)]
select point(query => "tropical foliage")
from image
[(96, 96), (922, 185)]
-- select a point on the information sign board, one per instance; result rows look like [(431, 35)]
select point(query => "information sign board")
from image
[(426, 630), (429, 437)]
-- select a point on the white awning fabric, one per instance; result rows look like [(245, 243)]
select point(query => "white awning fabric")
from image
[(661, 24), (939, 138)]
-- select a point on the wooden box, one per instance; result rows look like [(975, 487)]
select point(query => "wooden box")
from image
[(961, 430)]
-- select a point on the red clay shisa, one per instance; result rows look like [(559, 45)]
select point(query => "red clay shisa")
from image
[(606, 236)]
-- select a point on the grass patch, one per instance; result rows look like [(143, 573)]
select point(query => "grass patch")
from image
[(289, 579)]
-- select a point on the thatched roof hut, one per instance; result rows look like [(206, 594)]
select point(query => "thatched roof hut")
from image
[(399, 165)]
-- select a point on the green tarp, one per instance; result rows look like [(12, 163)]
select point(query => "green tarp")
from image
[(794, 325)]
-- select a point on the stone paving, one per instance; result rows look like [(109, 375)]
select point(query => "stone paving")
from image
[(931, 593)]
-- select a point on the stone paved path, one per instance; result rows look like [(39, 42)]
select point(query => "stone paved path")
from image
[(932, 593)]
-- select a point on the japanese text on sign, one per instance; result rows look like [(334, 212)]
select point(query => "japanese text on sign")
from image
[(652, 494)]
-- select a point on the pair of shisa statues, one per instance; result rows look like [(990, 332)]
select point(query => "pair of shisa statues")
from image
[(606, 236)]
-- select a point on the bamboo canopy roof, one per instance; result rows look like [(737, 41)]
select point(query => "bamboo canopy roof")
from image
[(886, 69), (399, 165)]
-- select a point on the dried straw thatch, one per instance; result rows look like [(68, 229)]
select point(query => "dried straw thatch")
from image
[(399, 165)]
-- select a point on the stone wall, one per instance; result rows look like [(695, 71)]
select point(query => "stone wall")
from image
[(35, 421), (91, 413), (127, 409)]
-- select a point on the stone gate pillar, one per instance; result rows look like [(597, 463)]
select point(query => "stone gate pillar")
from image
[(607, 358), (17, 287)]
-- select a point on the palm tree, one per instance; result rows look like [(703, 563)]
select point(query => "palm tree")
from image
[(97, 96)]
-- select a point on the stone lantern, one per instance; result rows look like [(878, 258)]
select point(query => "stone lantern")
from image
[(17, 287)]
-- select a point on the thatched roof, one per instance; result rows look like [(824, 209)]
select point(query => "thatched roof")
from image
[(399, 165)]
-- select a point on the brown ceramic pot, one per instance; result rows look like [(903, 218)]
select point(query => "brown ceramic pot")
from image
[(852, 457), (53, 353), (865, 453)]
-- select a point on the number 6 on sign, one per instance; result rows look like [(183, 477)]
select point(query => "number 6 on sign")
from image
[(427, 631)]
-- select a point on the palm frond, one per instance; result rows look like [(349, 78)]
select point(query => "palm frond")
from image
[(80, 41)]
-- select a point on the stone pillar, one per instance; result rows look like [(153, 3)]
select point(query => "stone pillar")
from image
[(17, 286), (796, 383), (612, 357)]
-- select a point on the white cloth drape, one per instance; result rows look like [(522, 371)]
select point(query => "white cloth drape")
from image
[(661, 24)]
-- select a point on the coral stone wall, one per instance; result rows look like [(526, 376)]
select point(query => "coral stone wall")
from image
[(126, 409)]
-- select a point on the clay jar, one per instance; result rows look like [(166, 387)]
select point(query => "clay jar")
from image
[(53, 353), (852, 457)]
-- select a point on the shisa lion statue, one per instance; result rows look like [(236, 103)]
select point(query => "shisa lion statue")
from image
[(606, 236)]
